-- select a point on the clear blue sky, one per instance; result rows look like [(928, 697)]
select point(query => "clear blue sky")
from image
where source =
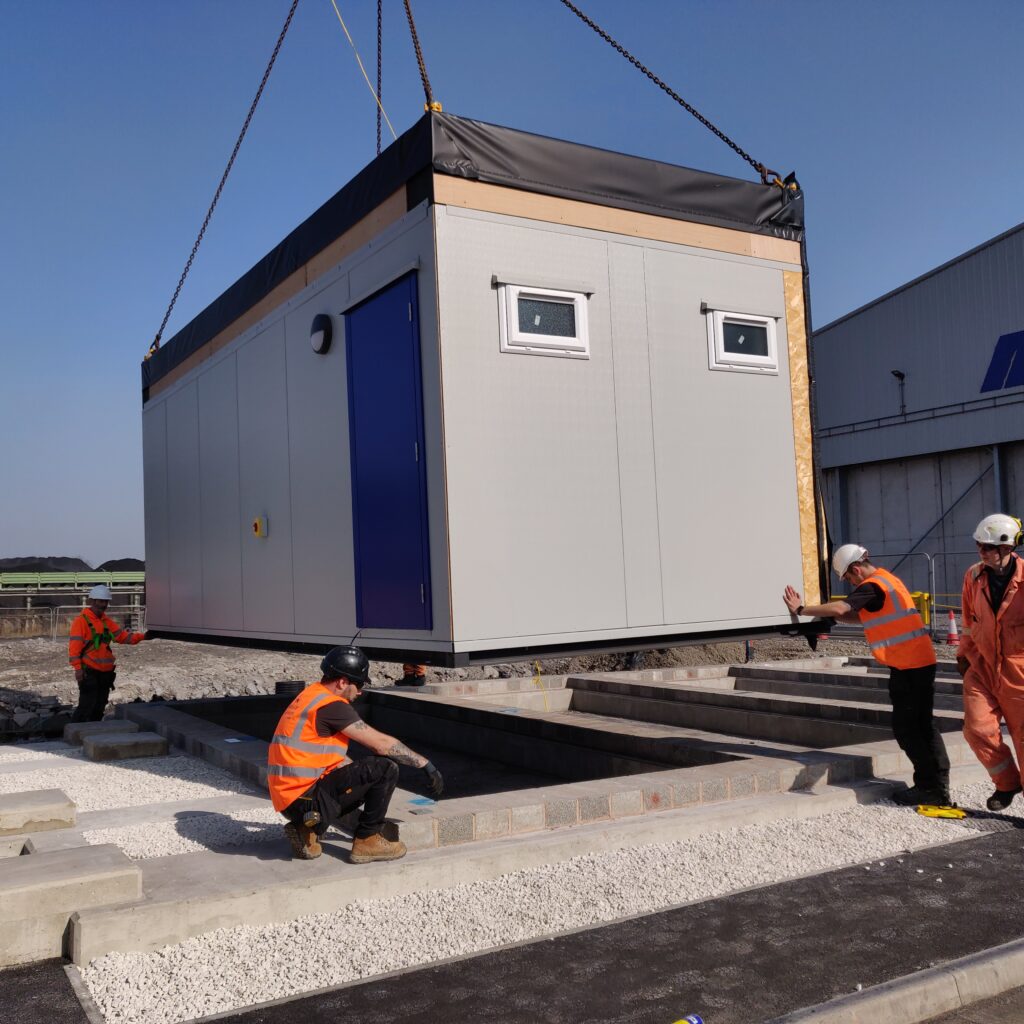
[(902, 121)]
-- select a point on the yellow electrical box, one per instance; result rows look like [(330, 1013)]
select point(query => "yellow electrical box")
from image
[(923, 603), (259, 527)]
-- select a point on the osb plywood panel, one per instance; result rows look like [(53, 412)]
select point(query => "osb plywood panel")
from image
[(363, 231), (796, 329), (476, 195)]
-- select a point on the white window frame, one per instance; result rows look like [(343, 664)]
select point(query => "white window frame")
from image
[(514, 340), (735, 362)]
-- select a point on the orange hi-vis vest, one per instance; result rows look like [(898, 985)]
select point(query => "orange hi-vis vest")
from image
[(298, 756), (90, 639), (896, 633)]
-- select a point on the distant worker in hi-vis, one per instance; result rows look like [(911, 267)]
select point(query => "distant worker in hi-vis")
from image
[(91, 657), (898, 639), (312, 780), (991, 657)]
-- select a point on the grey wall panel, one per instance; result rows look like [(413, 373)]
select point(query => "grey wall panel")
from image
[(532, 474), (154, 477), (941, 332), (723, 448), (264, 482), (635, 436), (224, 532), (183, 508), (320, 477)]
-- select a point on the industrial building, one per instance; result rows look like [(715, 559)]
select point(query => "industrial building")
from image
[(920, 414), (501, 396)]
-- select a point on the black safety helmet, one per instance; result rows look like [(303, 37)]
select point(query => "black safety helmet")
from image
[(346, 663)]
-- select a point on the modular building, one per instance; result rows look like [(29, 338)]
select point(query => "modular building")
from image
[(920, 414), (501, 396)]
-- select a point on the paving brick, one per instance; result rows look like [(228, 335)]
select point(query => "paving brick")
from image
[(741, 786), (768, 782), (490, 824), (626, 802), (658, 797), (418, 834), (527, 818), (685, 793), (595, 808), (560, 812), (458, 829)]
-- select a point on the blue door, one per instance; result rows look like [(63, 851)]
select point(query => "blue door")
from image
[(389, 480)]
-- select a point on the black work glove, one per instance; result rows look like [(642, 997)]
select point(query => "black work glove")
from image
[(434, 781)]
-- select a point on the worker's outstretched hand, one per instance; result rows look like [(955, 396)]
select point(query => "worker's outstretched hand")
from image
[(792, 598), (434, 781)]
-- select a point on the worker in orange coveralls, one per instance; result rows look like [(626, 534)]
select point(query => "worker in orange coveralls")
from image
[(91, 657), (991, 658)]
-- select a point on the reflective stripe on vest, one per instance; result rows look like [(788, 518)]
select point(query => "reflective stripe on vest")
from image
[(906, 648), (297, 755)]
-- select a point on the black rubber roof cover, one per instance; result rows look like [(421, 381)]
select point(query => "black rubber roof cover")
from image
[(457, 146)]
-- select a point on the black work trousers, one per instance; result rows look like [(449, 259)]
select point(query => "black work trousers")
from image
[(912, 692), (369, 783), (93, 694)]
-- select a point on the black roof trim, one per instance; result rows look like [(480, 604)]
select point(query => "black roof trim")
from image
[(478, 151)]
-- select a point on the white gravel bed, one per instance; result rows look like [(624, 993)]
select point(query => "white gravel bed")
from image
[(236, 967), (104, 786), (13, 752), (192, 831)]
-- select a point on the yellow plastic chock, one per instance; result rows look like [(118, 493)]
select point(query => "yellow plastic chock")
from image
[(937, 811)]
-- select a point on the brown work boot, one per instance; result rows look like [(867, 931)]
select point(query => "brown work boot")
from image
[(305, 845), (376, 847)]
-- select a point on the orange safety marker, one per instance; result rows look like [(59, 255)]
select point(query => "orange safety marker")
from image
[(952, 634)]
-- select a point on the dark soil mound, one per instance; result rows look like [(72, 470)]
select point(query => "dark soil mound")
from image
[(43, 563), (122, 565)]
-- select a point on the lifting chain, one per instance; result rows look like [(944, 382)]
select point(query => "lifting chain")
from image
[(224, 178), (431, 104), (765, 173)]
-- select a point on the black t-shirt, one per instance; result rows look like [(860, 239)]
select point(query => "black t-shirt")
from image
[(335, 717), (868, 597), (998, 581)]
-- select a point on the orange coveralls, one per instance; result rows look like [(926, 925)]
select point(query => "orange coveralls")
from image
[(993, 644)]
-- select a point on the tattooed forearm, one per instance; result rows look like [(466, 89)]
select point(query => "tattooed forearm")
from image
[(403, 755)]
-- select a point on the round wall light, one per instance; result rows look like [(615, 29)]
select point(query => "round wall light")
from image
[(320, 333)]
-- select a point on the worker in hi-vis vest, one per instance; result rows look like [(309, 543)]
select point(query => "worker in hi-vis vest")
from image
[(312, 780), (91, 657), (991, 656), (898, 639)]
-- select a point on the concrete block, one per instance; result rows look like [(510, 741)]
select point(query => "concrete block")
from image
[(561, 812), (713, 790), (457, 829), (685, 793), (35, 811), (626, 802), (741, 786), (767, 782), (418, 834), (595, 808), (39, 893), (491, 824), (527, 818), (120, 746), (658, 797), (75, 732)]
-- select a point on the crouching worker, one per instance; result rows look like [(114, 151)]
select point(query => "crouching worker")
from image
[(314, 783), (899, 640)]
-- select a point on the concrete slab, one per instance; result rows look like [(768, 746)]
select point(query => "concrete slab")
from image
[(35, 811), (40, 892), (120, 746), (75, 732)]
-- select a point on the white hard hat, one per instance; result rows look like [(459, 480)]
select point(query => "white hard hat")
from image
[(998, 529), (101, 592), (845, 556)]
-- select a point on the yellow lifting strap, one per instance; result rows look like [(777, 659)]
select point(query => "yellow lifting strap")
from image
[(937, 811)]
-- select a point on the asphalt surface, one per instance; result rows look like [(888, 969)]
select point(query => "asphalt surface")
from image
[(39, 994), (740, 959)]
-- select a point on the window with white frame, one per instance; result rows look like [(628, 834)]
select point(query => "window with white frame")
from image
[(543, 321), (743, 342)]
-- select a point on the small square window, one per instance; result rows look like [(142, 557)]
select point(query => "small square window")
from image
[(543, 322), (741, 342)]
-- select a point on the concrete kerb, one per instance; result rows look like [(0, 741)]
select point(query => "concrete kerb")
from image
[(920, 997)]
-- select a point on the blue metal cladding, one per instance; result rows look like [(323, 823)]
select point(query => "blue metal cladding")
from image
[(389, 482)]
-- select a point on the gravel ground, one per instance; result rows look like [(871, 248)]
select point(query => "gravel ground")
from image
[(235, 967), (97, 787)]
